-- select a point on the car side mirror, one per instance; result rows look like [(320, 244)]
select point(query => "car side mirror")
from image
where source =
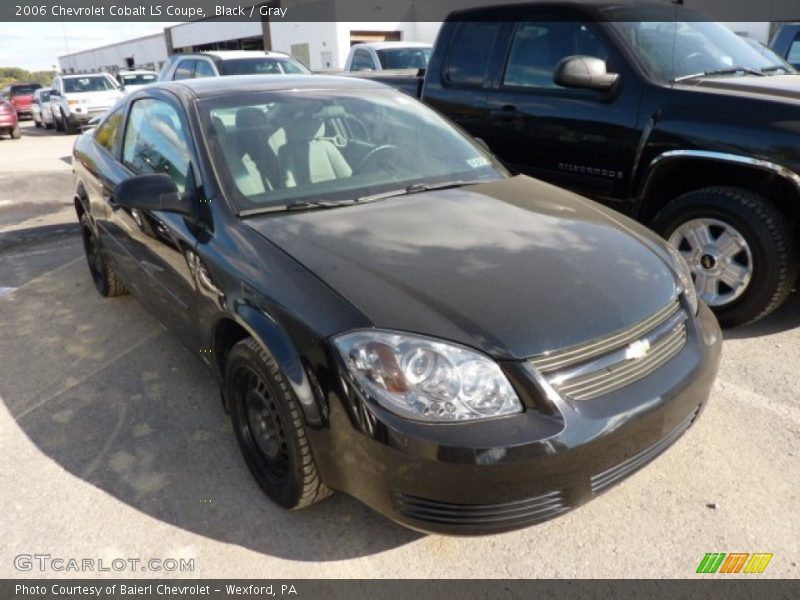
[(584, 72), (156, 191), (55, 93)]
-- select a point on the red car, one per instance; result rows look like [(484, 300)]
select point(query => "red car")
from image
[(8, 119), (21, 96)]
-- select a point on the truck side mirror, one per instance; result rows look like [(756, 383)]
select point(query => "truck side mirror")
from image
[(584, 72)]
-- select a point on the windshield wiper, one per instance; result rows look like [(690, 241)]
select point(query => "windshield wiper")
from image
[(726, 71), (416, 188), (775, 69), (296, 206)]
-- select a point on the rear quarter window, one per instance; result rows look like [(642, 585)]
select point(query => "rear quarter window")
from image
[(470, 51)]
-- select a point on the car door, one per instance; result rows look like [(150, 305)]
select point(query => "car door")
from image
[(581, 139), (159, 244)]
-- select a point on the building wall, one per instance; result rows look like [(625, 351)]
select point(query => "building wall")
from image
[(147, 52), (329, 43), (199, 33)]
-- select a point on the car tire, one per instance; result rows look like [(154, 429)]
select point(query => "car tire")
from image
[(16, 133), (37, 123), (106, 281), (48, 125), (269, 428), (68, 126), (765, 240)]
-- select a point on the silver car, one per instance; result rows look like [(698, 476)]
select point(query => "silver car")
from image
[(40, 109)]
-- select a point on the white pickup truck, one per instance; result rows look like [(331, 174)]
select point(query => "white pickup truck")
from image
[(383, 56), (77, 99)]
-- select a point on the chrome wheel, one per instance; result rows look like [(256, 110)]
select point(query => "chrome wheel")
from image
[(718, 256)]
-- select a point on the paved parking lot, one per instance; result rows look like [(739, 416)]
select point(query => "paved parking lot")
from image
[(114, 444)]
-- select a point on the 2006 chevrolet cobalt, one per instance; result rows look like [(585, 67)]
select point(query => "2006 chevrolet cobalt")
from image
[(389, 312)]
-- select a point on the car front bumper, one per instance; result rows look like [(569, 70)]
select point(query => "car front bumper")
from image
[(507, 473)]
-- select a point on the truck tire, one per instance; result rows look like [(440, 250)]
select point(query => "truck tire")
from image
[(742, 250), (269, 428), (106, 281), (68, 126), (59, 123)]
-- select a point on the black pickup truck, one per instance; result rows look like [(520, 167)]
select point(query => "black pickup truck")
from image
[(676, 122)]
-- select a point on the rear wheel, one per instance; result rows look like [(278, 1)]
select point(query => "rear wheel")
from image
[(269, 428), (16, 133), (106, 281), (37, 122), (740, 248)]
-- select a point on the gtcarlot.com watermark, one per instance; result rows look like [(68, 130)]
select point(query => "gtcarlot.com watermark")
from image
[(46, 562)]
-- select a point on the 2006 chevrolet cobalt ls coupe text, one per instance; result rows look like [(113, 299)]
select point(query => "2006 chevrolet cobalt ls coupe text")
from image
[(390, 313)]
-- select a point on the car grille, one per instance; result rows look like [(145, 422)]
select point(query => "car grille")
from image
[(506, 514), (591, 370), (602, 481)]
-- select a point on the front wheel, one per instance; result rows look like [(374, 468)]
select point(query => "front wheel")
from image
[(269, 428), (740, 248), (106, 281)]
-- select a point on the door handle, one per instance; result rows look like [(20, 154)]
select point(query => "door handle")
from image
[(508, 111)]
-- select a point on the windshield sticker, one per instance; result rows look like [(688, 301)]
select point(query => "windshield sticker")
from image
[(477, 162)]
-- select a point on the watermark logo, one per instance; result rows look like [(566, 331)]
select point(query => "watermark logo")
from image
[(734, 562)]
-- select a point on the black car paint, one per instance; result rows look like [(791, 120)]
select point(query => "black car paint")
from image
[(216, 277), (613, 146)]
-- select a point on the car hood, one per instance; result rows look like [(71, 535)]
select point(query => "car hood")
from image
[(781, 86), (514, 267)]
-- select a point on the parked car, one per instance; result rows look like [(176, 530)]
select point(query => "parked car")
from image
[(77, 99), (21, 96), (40, 109), (230, 62), (786, 43), (389, 313), (134, 80), (380, 56), (679, 124), (9, 125)]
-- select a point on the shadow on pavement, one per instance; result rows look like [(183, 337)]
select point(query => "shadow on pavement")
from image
[(102, 390), (785, 318)]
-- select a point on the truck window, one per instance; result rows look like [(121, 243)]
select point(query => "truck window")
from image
[(362, 61), (538, 47), (470, 51), (185, 70)]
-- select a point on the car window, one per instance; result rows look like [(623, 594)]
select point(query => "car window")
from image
[(204, 69), (96, 83), (108, 131), (278, 147), (185, 69), (794, 52), (469, 54), (264, 65), (23, 90), (155, 141), (537, 48), (362, 61)]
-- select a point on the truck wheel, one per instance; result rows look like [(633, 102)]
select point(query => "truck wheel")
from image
[(269, 428), (68, 126), (740, 248), (16, 133), (106, 281), (59, 123)]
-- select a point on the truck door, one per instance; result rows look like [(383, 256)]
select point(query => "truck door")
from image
[(580, 139)]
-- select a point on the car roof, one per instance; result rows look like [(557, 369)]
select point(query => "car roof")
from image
[(207, 87), (138, 72), (383, 45), (78, 75), (635, 10), (235, 54)]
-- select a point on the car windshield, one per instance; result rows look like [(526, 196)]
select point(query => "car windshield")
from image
[(675, 50), (99, 83), (276, 149), (404, 58), (262, 66), (23, 90), (138, 78)]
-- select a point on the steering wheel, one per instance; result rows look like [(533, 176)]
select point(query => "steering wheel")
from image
[(377, 151)]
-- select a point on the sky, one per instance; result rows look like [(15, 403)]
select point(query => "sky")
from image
[(37, 46)]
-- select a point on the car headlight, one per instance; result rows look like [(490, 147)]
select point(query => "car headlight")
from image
[(684, 275), (426, 379)]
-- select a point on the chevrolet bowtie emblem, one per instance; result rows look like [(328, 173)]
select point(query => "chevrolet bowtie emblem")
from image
[(637, 349)]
